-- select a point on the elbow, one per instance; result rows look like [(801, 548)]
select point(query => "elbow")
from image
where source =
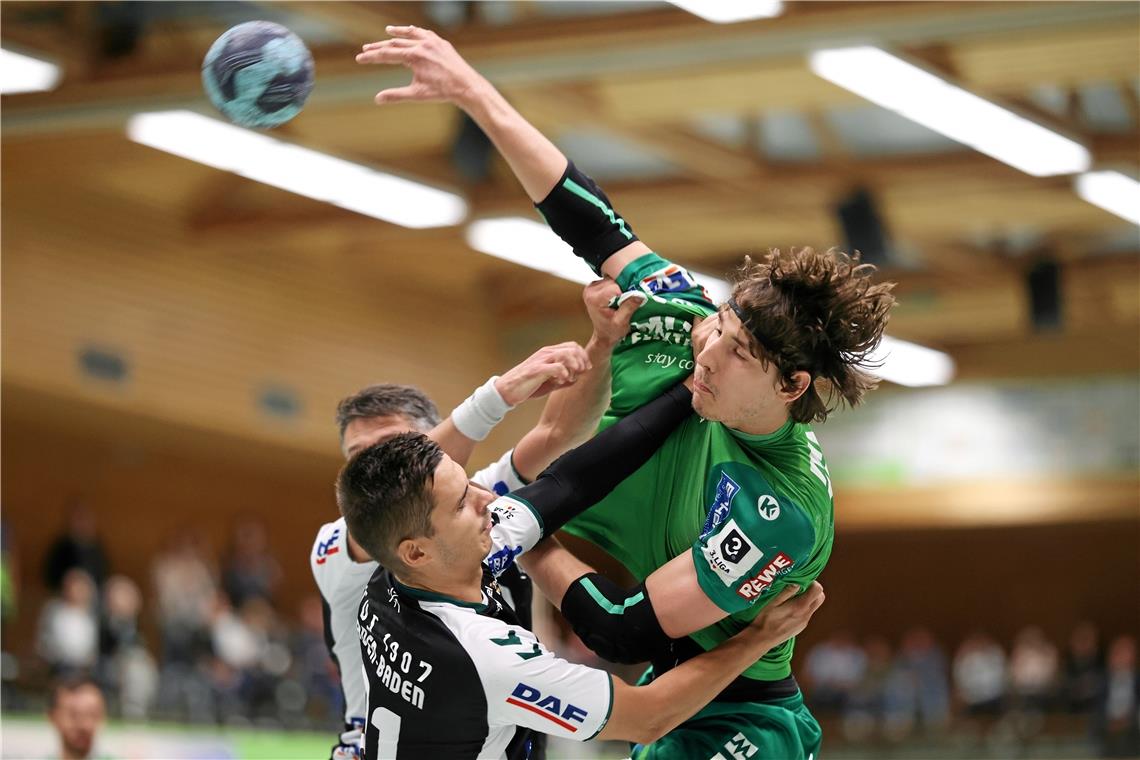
[(649, 733)]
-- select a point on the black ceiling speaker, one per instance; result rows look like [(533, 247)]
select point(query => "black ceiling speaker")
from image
[(863, 229), (1044, 282)]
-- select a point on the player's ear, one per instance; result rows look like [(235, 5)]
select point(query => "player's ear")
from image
[(411, 552), (796, 387)]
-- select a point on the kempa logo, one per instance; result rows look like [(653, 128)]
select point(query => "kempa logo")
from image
[(768, 507)]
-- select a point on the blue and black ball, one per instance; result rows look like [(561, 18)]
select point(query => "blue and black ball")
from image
[(258, 74)]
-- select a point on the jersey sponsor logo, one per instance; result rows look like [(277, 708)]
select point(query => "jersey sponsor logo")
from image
[(664, 328), (738, 748), (730, 554), (503, 509), (768, 507), (502, 559), (726, 491), (669, 279), (756, 585), (500, 488), (326, 549), (548, 706)]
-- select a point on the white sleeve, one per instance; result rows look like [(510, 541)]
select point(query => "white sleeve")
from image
[(499, 477), (517, 528), (527, 685)]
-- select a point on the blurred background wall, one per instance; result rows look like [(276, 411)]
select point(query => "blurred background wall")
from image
[(175, 337)]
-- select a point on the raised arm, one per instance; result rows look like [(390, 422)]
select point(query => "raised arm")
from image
[(440, 73), (571, 414), (547, 369)]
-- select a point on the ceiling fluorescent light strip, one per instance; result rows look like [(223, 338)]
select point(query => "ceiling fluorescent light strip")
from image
[(921, 96), (532, 244), (730, 11), (23, 73), (1112, 191), (296, 169)]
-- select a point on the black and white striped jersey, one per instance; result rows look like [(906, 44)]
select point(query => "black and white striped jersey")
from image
[(341, 582), (449, 679)]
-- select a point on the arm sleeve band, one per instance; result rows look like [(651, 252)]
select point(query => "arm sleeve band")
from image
[(618, 625), (583, 476), (581, 214)]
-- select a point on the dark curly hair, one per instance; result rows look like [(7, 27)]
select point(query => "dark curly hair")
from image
[(385, 494), (817, 312)]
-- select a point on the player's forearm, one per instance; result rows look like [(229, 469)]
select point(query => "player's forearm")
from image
[(456, 445), (553, 569), (658, 708), (585, 475), (570, 416), (533, 158)]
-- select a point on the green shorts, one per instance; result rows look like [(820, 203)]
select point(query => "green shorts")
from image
[(783, 729)]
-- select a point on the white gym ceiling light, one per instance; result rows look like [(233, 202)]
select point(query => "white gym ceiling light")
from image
[(23, 73), (532, 244), (299, 170), (730, 11), (921, 96), (1113, 192)]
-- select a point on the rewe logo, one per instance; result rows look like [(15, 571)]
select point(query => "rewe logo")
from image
[(327, 548), (549, 706), (762, 581)]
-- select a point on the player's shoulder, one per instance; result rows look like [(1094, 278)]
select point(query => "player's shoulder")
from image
[(330, 548), (767, 513)]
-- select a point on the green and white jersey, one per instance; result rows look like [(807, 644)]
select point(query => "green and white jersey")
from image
[(754, 512)]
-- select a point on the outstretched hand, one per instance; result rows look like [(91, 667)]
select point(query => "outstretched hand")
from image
[(547, 369), (438, 71)]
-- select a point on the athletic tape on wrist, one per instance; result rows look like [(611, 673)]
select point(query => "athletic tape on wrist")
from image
[(477, 416)]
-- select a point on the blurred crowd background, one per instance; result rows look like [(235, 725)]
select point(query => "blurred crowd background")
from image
[(203, 640)]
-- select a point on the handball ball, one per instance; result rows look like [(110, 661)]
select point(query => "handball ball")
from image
[(258, 74)]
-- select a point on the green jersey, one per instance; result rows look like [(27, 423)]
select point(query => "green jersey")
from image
[(754, 512)]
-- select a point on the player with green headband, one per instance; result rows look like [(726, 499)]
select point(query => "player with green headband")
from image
[(738, 502)]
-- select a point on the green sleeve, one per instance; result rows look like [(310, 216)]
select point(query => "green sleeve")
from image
[(657, 353), (742, 556)]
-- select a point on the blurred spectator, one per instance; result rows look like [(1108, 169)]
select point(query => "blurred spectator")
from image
[(1032, 669), (917, 689), (866, 705), (185, 586), (251, 658), (316, 670), (1119, 714), (76, 711), (1083, 670), (77, 547), (68, 638), (250, 570), (979, 675), (834, 668), (125, 666)]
